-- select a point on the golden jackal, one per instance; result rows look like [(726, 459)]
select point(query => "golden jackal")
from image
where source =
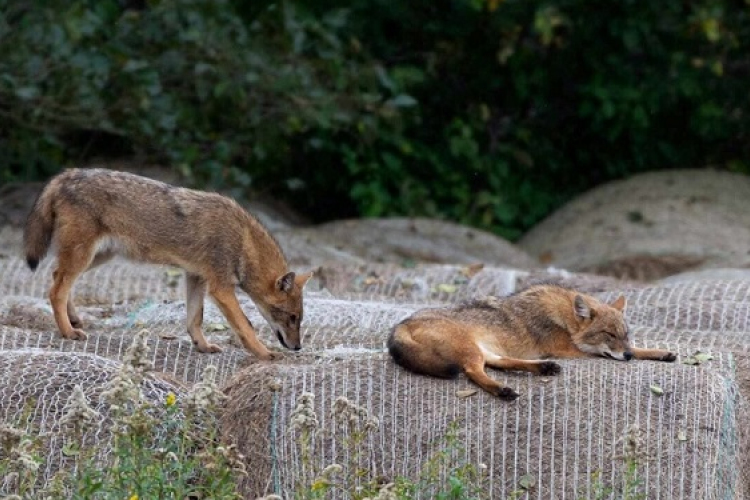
[(91, 215), (514, 333)]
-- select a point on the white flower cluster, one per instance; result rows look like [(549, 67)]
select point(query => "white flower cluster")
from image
[(19, 448), (386, 493), (304, 417), (331, 471), (9, 437), (124, 390), (205, 395), (633, 443), (78, 413), (25, 456), (137, 354), (348, 412), (234, 458)]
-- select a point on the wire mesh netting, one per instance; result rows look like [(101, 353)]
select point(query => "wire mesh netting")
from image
[(36, 384), (565, 431)]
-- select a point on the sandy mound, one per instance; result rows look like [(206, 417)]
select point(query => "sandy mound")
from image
[(650, 226), (399, 240)]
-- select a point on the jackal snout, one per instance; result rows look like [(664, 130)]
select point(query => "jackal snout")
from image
[(284, 311)]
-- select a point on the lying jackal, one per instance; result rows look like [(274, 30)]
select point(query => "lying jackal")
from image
[(514, 333)]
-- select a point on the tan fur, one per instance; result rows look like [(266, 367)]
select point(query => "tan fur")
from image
[(91, 215), (514, 333)]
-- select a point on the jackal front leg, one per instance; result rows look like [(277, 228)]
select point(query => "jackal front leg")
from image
[(653, 354), (230, 307)]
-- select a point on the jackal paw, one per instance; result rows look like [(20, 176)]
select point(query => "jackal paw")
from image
[(549, 368), (208, 347), (669, 357), (271, 356), (506, 393), (75, 334)]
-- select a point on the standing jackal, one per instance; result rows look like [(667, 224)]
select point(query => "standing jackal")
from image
[(514, 333), (91, 215)]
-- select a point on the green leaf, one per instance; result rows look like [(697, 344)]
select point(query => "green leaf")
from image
[(527, 481), (657, 390), (384, 78), (70, 449), (402, 101), (702, 357), (690, 360), (27, 93), (134, 65), (447, 288)]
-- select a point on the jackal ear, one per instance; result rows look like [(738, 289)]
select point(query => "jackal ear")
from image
[(286, 282), (620, 303), (301, 279), (583, 310)]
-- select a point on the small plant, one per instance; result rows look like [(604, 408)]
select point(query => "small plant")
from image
[(464, 481), (169, 450), (19, 461), (443, 477), (631, 486)]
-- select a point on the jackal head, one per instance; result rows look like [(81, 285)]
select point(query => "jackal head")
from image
[(602, 328), (282, 308)]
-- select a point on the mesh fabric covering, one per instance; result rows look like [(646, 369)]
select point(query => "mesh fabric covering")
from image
[(35, 386), (560, 430)]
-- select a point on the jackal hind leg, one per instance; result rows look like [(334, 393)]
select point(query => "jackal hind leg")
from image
[(196, 293), (72, 260), (473, 367), (98, 260), (539, 367)]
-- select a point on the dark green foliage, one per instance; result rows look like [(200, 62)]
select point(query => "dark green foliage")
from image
[(187, 82), (487, 112)]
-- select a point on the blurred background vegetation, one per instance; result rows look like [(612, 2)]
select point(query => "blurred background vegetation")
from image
[(487, 112)]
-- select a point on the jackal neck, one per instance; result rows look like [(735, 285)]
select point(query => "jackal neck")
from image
[(560, 306), (264, 260)]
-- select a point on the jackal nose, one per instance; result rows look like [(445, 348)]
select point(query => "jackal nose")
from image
[(627, 355), (297, 347)]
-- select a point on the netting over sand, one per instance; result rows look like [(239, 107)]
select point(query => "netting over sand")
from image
[(560, 431), (36, 384)]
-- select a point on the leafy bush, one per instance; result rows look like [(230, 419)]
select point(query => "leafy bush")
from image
[(186, 82), (489, 112), (522, 104)]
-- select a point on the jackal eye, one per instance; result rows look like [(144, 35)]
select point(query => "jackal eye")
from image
[(611, 335)]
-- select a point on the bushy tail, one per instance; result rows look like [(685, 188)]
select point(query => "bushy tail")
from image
[(37, 234), (416, 357)]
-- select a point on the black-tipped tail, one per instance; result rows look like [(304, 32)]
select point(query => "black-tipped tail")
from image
[(37, 235), (413, 356)]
